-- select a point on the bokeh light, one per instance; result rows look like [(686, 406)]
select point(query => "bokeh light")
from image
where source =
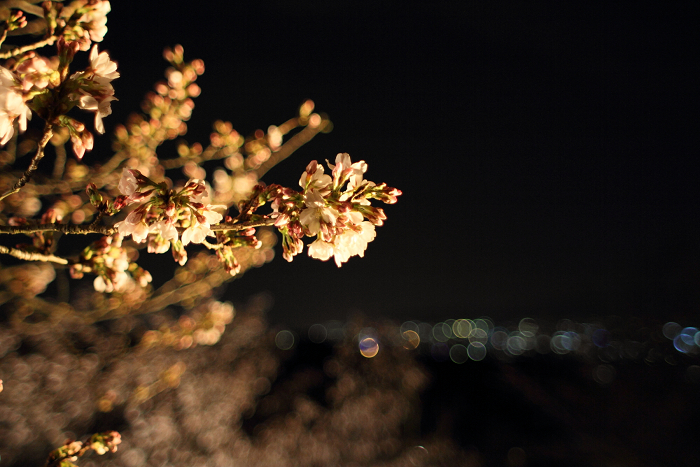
[(671, 330), (284, 340), (439, 332), (408, 326), (528, 327), (499, 339), (459, 353), (317, 333), (411, 338), (476, 351), (369, 347), (462, 328), (336, 331), (687, 335)]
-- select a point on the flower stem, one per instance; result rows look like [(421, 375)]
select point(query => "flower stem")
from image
[(27, 48)]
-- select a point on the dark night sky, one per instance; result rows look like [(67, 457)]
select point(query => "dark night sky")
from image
[(547, 152)]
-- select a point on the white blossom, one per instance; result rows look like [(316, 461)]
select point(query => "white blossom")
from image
[(105, 70), (344, 246), (128, 184), (101, 286), (95, 21), (101, 107), (12, 106), (166, 229), (321, 250), (133, 225), (351, 243), (198, 231), (316, 211), (318, 180), (35, 71), (358, 169)]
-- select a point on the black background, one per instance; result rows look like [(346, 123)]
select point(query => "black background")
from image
[(547, 151)]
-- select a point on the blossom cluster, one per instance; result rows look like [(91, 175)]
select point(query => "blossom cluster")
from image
[(112, 264), (30, 83), (162, 213), (334, 208), (82, 21), (101, 443)]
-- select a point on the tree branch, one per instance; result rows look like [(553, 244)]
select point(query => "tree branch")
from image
[(294, 143), (31, 256), (48, 133), (70, 229), (27, 48)]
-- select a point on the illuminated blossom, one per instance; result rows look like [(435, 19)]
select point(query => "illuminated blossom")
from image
[(321, 250), (101, 107), (94, 23), (351, 243), (313, 178), (81, 143), (128, 183), (344, 246), (201, 229), (316, 212), (12, 106), (133, 225), (104, 69), (35, 71), (343, 162), (114, 278), (165, 229), (96, 89), (196, 233)]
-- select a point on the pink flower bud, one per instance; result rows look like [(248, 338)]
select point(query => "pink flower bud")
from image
[(282, 219), (311, 168)]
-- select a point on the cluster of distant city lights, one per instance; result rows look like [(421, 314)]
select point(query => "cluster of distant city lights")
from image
[(462, 340)]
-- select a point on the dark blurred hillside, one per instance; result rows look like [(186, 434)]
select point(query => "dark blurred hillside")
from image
[(359, 393)]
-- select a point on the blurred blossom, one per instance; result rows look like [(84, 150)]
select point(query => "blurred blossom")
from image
[(12, 106)]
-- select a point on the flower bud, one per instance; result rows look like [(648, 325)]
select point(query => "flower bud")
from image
[(282, 219), (118, 204), (312, 167), (94, 195)]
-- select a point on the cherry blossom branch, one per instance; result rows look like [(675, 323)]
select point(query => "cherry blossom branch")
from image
[(294, 143), (224, 226), (48, 133), (71, 229), (26, 256), (27, 48)]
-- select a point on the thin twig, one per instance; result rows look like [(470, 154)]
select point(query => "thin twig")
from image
[(242, 225), (27, 48), (63, 228), (294, 143), (212, 246), (48, 133), (71, 229), (31, 256)]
